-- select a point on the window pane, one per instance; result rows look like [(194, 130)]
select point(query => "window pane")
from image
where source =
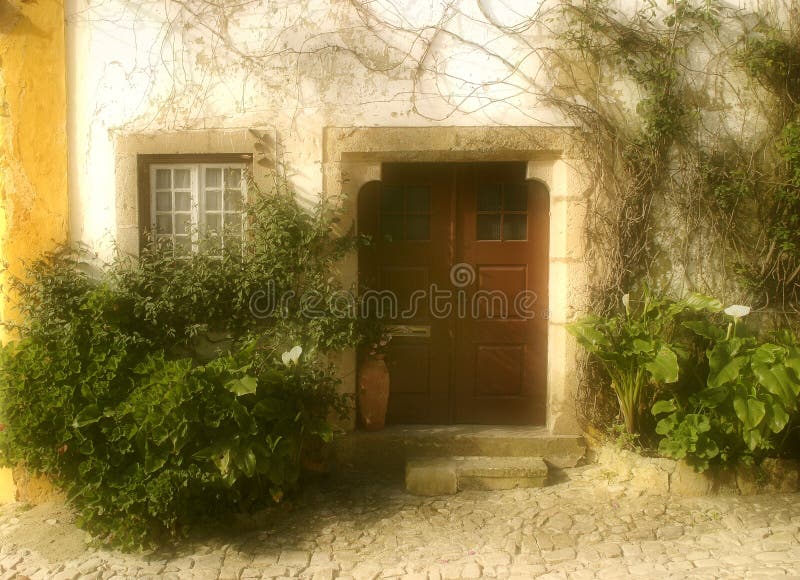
[(164, 201), (418, 199), (163, 179), (418, 227), (183, 201), (392, 227), (164, 224), (233, 200), (489, 197), (516, 198), (183, 223), (233, 178), (488, 227), (182, 179), (213, 178), (213, 200), (214, 222), (515, 226), (392, 199)]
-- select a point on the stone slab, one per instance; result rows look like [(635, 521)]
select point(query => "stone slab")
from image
[(387, 451), (431, 476), (446, 475)]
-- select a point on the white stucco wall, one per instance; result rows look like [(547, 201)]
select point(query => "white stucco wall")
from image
[(293, 67), (289, 67)]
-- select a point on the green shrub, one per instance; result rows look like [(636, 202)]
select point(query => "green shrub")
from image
[(747, 401), (107, 392), (639, 348), (735, 403), (169, 441)]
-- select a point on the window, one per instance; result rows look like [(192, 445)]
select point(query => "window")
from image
[(406, 213), (502, 212), (190, 200)]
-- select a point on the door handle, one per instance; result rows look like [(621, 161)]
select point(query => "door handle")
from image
[(409, 330)]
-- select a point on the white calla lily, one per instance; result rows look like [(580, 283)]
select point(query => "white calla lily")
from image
[(626, 301), (737, 310), (290, 357)]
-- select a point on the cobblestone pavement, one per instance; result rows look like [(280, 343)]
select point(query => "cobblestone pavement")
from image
[(585, 527)]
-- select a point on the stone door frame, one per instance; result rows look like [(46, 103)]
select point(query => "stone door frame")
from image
[(352, 157)]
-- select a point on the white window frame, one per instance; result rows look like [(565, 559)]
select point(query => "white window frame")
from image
[(197, 190)]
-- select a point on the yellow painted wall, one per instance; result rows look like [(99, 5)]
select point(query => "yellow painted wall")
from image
[(33, 142)]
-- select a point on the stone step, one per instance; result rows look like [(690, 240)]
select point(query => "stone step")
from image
[(387, 451), (447, 475)]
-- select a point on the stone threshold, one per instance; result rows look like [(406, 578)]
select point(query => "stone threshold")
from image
[(388, 450)]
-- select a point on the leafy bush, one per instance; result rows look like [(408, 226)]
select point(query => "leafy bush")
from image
[(108, 391), (737, 403), (751, 392), (281, 284), (639, 348)]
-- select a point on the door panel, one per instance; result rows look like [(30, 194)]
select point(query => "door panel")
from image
[(408, 217), (486, 363), (501, 371)]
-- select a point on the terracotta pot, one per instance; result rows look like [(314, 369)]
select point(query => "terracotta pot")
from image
[(373, 392)]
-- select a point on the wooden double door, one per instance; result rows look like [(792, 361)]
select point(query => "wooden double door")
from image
[(457, 270)]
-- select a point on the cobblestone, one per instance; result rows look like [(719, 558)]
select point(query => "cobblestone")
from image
[(584, 527)]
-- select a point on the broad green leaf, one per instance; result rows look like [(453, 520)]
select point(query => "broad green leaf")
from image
[(224, 462), (88, 415), (752, 438), (179, 436), (777, 418), (671, 448), (719, 356), (205, 453), (585, 331), (776, 380), (793, 362), (697, 422), (750, 412), (243, 386), (706, 447), (766, 354), (664, 367), (87, 447), (666, 424), (243, 419), (641, 346), (154, 460), (697, 301), (728, 373), (705, 329), (664, 406), (247, 463)]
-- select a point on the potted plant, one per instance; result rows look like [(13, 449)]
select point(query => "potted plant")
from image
[(373, 380)]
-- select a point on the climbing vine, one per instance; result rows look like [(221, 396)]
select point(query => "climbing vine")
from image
[(692, 137)]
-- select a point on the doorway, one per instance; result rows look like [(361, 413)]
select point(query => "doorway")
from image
[(458, 270)]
